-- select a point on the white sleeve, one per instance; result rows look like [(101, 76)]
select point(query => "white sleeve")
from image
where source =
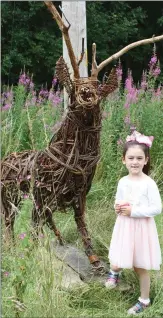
[(119, 195), (154, 206)]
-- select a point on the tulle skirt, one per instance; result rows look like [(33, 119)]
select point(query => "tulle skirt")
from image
[(135, 243)]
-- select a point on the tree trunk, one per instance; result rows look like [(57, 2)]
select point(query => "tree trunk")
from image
[(75, 13)]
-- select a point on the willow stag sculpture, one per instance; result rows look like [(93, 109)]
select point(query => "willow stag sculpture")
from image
[(61, 175)]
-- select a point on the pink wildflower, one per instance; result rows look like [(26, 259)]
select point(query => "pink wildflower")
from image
[(156, 72), (25, 196), (6, 107), (153, 60), (22, 236), (6, 274)]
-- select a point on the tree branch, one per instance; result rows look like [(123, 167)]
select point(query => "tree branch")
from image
[(82, 53), (94, 63), (115, 56), (64, 31)]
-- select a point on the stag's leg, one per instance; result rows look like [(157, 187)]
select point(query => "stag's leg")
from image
[(79, 209), (9, 225), (9, 212), (36, 222), (52, 226), (39, 215)]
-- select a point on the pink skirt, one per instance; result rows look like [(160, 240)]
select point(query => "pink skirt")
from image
[(135, 242)]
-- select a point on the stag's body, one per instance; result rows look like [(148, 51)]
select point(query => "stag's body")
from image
[(59, 176)]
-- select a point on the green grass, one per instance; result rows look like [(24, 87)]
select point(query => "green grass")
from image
[(37, 274)]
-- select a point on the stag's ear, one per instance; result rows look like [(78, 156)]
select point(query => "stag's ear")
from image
[(63, 75), (110, 85)]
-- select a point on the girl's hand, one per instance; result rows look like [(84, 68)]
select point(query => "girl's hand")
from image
[(125, 210), (117, 208)]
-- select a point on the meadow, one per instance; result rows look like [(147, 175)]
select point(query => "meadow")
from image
[(29, 278)]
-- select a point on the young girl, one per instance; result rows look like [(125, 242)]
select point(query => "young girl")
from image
[(134, 242)]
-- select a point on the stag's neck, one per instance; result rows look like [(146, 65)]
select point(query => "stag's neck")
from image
[(82, 126)]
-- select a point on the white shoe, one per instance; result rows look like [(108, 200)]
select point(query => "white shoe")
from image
[(110, 284)]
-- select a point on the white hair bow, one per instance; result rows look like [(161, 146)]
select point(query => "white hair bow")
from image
[(141, 139)]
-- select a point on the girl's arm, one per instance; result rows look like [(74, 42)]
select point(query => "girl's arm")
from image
[(119, 195), (153, 208)]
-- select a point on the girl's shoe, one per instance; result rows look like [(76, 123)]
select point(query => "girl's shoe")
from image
[(138, 308), (112, 280)]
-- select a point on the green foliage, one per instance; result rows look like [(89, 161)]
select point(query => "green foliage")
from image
[(27, 127), (31, 37), (109, 17)]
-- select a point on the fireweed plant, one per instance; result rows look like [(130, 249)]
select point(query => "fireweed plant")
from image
[(31, 280), (29, 118)]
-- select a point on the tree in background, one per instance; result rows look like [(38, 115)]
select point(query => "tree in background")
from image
[(30, 37)]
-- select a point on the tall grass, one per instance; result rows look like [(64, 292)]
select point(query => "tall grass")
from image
[(31, 279)]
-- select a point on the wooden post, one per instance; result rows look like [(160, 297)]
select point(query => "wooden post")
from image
[(75, 13)]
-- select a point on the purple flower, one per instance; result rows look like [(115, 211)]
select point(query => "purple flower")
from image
[(153, 60), (129, 82), (54, 81), (25, 196), (143, 85), (44, 93), (22, 236), (119, 72), (156, 71), (51, 95), (27, 81), (6, 274), (31, 85), (6, 107)]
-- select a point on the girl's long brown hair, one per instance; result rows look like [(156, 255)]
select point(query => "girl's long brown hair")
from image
[(145, 149)]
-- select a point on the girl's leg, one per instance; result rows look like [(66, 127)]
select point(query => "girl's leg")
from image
[(144, 278), (113, 277), (143, 301), (115, 268)]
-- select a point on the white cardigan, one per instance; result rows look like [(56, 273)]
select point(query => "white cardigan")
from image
[(143, 195)]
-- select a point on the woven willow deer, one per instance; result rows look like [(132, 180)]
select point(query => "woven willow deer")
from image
[(61, 175)]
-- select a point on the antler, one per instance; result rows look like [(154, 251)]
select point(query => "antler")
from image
[(97, 68), (64, 31)]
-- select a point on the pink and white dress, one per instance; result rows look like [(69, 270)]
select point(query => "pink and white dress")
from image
[(134, 241)]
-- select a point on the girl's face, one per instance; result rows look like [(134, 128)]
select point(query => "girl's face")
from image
[(135, 160)]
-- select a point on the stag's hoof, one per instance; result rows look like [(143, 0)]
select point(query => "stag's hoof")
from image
[(97, 266), (61, 241)]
